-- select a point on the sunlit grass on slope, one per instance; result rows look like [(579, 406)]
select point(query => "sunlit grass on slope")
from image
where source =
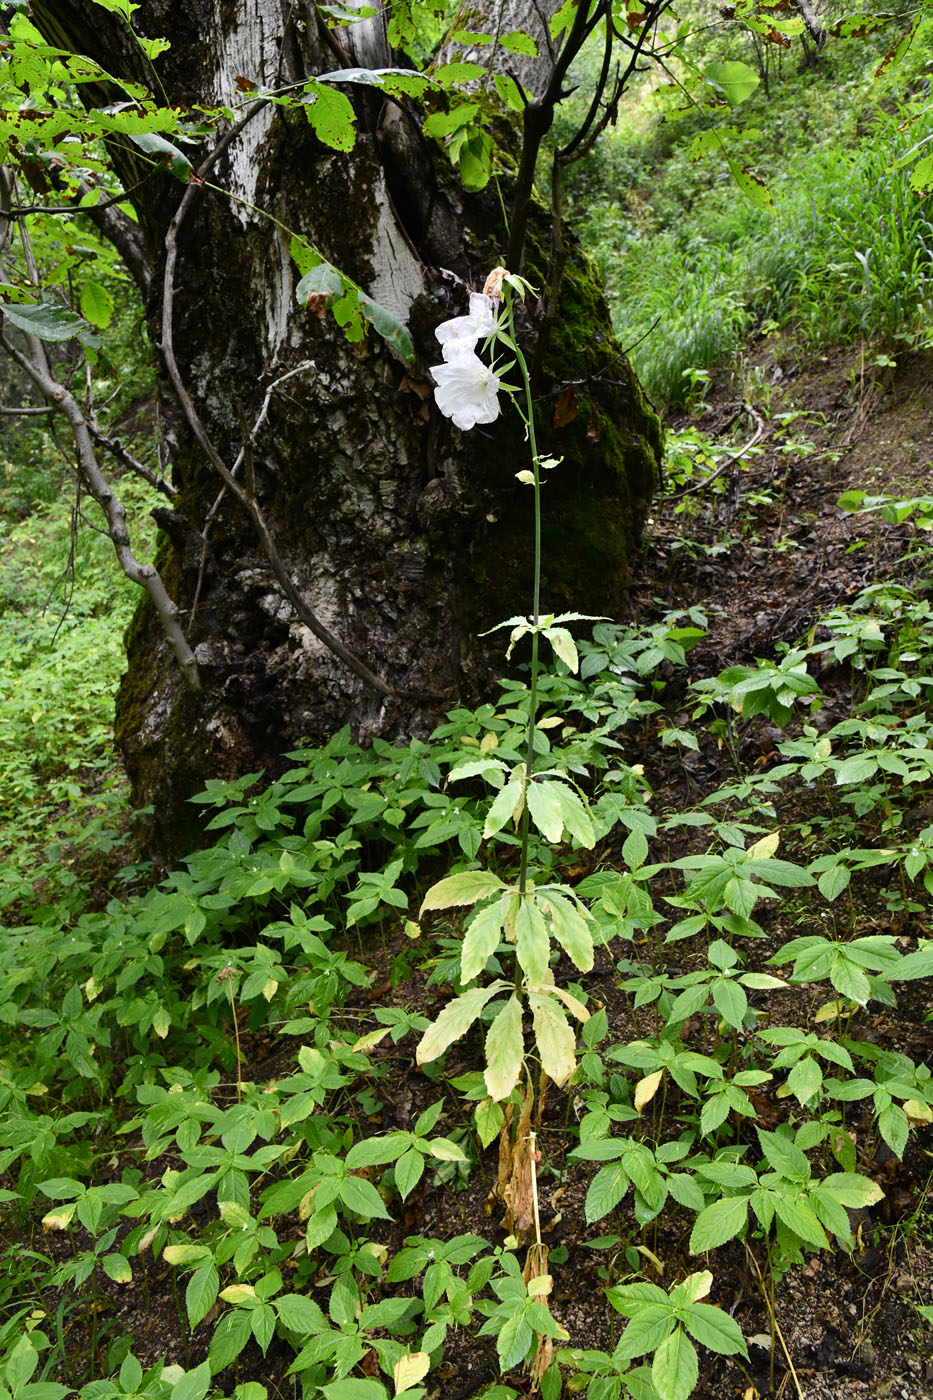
[(693, 268), (846, 254)]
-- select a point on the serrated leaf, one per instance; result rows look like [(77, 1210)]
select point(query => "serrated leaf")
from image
[(483, 936), (784, 1156), (360, 1195), (577, 819), (45, 322), (675, 1367), (355, 1388), (469, 887), (331, 116), (96, 305), (646, 1089), (532, 945), (488, 1117), (715, 1329), (117, 1267), (605, 1192), (376, 1151), (387, 327), (506, 806), (736, 81), (564, 647), (454, 1021), (853, 1191), (201, 1293), (504, 1050), (165, 152), (408, 1172), (569, 927), (194, 1384), (719, 1222), (230, 1337), (894, 1128), (805, 1080), (300, 1314), (554, 1037), (545, 809), (833, 881)]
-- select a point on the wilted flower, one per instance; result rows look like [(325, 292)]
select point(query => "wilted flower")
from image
[(463, 332), (492, 287), (466, 389)]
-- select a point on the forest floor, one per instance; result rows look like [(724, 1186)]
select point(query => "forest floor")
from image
[(781, 555), (764, 559)]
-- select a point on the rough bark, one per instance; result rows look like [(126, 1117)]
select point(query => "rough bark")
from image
[(405, 537)]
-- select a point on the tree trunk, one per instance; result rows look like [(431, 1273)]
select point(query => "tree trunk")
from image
[(405, 537)]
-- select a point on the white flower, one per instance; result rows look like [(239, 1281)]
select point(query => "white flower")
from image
[(466, 390), (462, 333)]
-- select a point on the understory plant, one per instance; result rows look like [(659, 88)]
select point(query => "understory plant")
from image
[(211, 1081)]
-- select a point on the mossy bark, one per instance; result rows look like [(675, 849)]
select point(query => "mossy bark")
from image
[(406, 537)]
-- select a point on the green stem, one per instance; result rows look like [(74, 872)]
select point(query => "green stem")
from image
[(529, 419)]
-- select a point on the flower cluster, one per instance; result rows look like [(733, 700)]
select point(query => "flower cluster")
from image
[(467, 390)]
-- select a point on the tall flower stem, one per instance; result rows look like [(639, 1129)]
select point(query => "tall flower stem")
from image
[(528, 416)]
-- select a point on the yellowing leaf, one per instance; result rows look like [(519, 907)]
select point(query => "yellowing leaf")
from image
[(504, 1049), (646, 1089), (765, 848), (369, 1040), (697, 1286), (466, 888), (554, 1036), (455, 1019), (410, 1369), (238, 1293), (59, 1218)]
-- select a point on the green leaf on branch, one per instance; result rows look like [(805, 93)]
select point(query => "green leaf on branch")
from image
[(46, 322), (675, 1367), (96, 305), (719, 1222), (165, 152), (736, 81), (331, 115)]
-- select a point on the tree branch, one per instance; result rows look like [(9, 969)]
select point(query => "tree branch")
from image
[(115, 447), (536, 122), (145, 575)]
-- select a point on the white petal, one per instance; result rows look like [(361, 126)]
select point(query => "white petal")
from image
[(466, 391)]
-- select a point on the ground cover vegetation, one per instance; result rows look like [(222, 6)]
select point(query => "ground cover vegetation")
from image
[(827, 233), (547, 1053)]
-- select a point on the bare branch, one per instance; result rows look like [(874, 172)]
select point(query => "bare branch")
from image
[(536, 122), (115, 447), (26, 412), (811, 21), (145, 575)]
